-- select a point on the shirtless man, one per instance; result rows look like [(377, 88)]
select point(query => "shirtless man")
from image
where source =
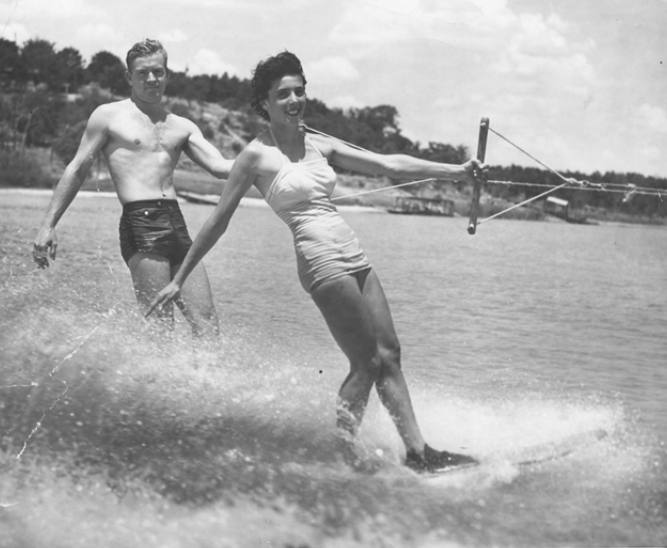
[(142, 143)]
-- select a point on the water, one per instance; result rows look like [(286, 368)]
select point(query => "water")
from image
[(525, 333)]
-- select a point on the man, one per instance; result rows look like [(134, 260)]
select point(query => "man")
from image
[(142, 143)]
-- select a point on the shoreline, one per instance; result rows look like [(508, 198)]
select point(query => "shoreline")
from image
[(246, 201), (259, 202)]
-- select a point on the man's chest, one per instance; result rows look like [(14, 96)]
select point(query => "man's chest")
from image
[(146, 136)]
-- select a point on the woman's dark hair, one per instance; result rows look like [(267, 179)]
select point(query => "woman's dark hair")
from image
[(268, 71)]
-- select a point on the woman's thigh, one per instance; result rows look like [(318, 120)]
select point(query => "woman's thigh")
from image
[(348, 316), (378, 308)]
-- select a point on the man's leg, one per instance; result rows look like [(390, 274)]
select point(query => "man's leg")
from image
[(196, 303), (151, 272)]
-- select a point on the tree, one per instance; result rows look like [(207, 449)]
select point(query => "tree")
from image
[(440, 152), (108, 71), (39, 61), (11, 67), (67, 143), (39, 113), (70, 68)]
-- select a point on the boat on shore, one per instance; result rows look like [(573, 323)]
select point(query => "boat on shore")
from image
[(560, 208), (417, 205)]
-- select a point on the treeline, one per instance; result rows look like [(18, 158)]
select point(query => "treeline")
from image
[(36, 109), (36, 79), (648, 200)]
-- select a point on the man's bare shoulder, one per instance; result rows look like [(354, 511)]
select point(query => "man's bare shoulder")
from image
[(182, 122), (107, 111)]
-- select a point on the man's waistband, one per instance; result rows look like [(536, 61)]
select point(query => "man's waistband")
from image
[(161, 203)]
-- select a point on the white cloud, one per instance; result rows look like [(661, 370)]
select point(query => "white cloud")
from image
[(15, 32), (173, 36), (91, 38), (63, 9), (468, 23), (207, 61), (654, 117), (331, 70), (97, 32), (344, 102), (538, 36)]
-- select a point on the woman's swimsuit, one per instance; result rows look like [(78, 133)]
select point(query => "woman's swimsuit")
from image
[(154, 226), (326, 247)]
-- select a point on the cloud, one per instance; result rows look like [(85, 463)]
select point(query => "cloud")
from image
[(540, 56), (173, 36), (466, 23), (207, 61), (63, 9), (91, 38), (344, 102), (653, 117), (97, 32), (332, 69), (15, 32)]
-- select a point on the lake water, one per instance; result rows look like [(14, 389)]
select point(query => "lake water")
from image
[(526, 333)]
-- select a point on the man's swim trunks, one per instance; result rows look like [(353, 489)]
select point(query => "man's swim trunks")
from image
[(326, 247), (154, 226)]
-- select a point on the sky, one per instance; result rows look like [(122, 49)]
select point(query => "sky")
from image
[(579, 84)]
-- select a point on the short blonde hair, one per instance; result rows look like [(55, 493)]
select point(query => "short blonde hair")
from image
[(145, 48)]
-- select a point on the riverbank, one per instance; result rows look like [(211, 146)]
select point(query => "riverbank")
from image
[(377, 194)]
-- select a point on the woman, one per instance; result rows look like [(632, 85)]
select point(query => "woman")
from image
[(292, 170)]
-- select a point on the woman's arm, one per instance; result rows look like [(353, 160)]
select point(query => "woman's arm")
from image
[(241, 177), (394, 165)]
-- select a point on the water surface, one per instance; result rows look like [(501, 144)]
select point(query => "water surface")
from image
[(526, 333)]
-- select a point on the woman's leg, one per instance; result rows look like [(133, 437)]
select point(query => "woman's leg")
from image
[(393, 390), (351, 324), (358, 316), (390, 384)]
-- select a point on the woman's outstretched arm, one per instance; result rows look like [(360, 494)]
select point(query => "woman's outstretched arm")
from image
[(240, 179), (394, 165)]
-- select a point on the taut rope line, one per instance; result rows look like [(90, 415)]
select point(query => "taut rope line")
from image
[(530, 155), (628, 189), (567, 182), (357, 147)]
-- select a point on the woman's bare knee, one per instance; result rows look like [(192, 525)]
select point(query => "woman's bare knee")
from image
[(390, 355)]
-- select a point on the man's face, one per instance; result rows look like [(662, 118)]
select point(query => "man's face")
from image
[(148, 77)]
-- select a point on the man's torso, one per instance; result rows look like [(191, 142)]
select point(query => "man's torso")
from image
[(142, 152)]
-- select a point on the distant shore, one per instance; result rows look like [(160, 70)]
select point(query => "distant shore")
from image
[(353, 192)]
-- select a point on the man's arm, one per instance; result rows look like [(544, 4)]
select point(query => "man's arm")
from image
[(204, 154), (94, 138)]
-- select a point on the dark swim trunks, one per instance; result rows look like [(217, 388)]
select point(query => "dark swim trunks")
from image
[(154, 226)]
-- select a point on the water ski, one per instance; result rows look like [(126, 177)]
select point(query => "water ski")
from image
[(533, 454)]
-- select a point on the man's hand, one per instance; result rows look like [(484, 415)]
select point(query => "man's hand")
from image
[(44, 247), (166, 295)]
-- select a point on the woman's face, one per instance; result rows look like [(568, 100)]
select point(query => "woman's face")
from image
[(286, 100)]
